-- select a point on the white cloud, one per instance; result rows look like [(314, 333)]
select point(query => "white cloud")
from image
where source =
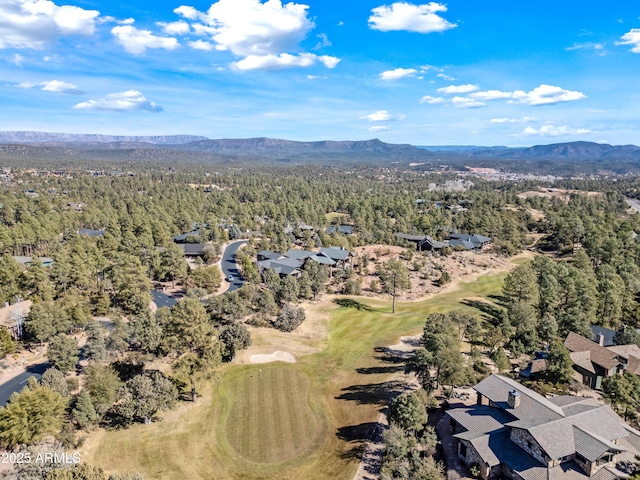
[(266, 35), (175, 28), (35, 23), (459, 89), (201, 45), (466, 102), (17, 59), (128, 101), (547, 95), (553, 131), (110, 19), (513, 120), (284, 60), (632, 37), (324, 41), (398, 73), (189, 13), (379, 116), (491, 95), (137, 41), (432, 100), (61, 87), (446, 77), (55, 86), (316, 77), (379, 129), (410, 17), (542, 95), (598, 48)]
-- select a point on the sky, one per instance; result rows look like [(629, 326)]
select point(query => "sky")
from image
[(464, 72)]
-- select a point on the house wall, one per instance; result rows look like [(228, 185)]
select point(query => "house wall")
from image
[(525, 440), (472, 456), (586, 466)]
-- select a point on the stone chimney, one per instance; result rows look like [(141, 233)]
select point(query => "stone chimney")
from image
[(514, 399), (600, 339)]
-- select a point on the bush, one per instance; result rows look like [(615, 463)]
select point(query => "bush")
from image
[(289, 318)]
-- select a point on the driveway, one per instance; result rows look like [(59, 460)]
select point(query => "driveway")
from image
[(17, 383), (229, 265)]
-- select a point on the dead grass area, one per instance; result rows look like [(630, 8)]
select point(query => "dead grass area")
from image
[(558, 193), (536, 215), (430, 267)]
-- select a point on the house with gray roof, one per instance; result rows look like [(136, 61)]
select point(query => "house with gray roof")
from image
[(341, 229), (456, 240), (513, 432), (592, 362)]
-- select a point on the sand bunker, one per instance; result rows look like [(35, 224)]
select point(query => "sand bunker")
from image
[(273, 357)]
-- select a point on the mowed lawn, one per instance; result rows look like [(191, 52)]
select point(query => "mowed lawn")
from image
[(271, 417), (305, 420)]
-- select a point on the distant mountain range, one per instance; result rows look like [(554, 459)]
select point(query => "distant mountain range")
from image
[(198, 147)]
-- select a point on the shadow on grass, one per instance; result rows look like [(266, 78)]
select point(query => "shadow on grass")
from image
[(500, 300), (386, 369), (373, 393), (491, 312), (351, 303), (356, 433)]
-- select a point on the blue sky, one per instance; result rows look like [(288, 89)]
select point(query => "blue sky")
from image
[(498, 72)]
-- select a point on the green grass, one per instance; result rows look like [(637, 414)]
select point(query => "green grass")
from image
[(270, 418), (305, 420)]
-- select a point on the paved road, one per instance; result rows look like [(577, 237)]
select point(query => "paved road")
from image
[(162, 299), (633, 203), (229, 266), (17, 383)]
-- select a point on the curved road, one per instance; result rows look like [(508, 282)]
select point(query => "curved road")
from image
[(229, 266), (18, 383)]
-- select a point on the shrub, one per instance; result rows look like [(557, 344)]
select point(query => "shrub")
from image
[(289, 318)]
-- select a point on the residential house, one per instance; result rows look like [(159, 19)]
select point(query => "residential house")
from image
[(456, 240), (513, 432), (603, 336), (592, 362), (341, 229), (291, 262), (26, 261)]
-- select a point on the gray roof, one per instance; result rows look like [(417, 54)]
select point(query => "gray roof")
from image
[(591, 446), (480, 418), (192, 249), (282, 265), (269, 254), (411, 238), (90, 232), (183, 237), (27, 260), (336, 253), (299, 254), (534, 408), (607, 333), (343, 229), (558, 440), (434, 243)]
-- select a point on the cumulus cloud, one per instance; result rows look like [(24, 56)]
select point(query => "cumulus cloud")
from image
[(491, 95), (398, 73), (128, 101), (466, 102), (55, 86), (17, 59), (137, 41), (284, 60), (267, 35), (542, 95), (61, 87), (432, 100), (379, 116), (379, 129), (201, 45), (175, 28), (36, 23), (410, 17), (459, 89), (553, 131), (632, 37)]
